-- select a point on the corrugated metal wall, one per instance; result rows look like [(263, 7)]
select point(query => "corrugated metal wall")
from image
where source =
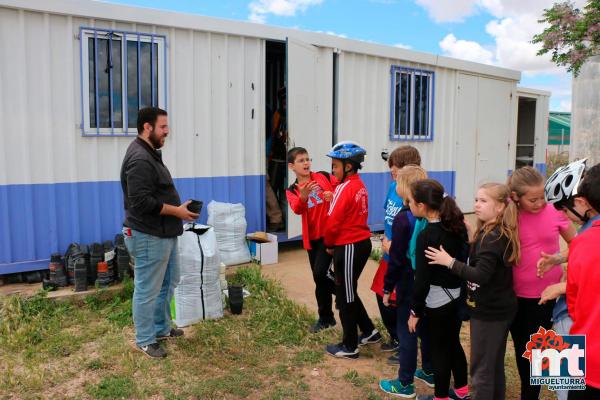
[(57, 186), (364, 112), (364, 115)]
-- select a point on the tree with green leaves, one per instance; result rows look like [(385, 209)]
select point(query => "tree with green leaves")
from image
[(573, 35)]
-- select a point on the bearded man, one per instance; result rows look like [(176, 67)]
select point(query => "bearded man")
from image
[(153, 222)]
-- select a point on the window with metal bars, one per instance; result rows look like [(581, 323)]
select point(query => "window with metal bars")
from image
[(121, 72), (412, 104)]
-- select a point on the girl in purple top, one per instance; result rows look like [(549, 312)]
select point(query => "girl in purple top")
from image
[(540, 227)]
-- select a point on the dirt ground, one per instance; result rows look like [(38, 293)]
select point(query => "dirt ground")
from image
[(333, 378), (293, 271), (294, 274)]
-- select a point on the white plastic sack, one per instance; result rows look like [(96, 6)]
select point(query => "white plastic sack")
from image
[(198, 293), (193, 304), (229, 221)]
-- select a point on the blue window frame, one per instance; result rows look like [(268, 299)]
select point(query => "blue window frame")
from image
[(412, 104), (121, 72)]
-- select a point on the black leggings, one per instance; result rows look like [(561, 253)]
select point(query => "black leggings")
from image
[(530, 316), (348, 262), (446, 351), (324, 286), (388, 317)]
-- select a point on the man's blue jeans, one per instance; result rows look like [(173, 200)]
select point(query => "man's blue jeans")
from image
[(156, 274)]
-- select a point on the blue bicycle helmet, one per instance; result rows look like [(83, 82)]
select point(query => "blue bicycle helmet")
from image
[(347, 150), (349, 153)]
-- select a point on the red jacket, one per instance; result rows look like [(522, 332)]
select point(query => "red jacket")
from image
[(348, 213), (583, 284), (314, 210)]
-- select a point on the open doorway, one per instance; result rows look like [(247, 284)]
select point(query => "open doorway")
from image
[(276, 136), (525, 132)]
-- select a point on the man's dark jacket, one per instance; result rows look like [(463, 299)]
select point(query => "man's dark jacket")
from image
[(147, 185)]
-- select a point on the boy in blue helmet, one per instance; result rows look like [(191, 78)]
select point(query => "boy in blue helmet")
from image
[(348, 238)]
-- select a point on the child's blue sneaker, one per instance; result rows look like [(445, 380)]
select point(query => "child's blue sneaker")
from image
[(395, 388), (425, 377)]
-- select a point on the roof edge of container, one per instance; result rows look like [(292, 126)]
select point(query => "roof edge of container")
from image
[(532, 91), (149, 16)]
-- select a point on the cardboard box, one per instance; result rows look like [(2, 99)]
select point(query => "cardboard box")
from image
[(264, 252)]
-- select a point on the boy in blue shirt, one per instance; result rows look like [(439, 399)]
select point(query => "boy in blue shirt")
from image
[(398, 159)]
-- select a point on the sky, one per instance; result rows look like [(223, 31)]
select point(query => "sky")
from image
[(496, 32)]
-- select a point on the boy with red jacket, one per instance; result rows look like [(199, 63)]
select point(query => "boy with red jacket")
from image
[(309, 196), (583, 281), (348, 238)]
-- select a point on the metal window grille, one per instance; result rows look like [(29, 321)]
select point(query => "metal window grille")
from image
[(412, 104), (121, 72)]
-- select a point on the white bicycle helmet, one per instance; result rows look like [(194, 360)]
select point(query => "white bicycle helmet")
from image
[(561, 187)]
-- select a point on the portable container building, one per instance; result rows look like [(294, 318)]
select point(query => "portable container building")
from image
[(73, 74)]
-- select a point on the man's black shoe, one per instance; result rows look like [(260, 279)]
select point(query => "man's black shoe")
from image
[(173, 333), (153, 350)]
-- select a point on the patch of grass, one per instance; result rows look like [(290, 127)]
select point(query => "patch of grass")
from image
[(275, 320), (308, 357), (238, 382), (355, 379), (376, 254), (81, 346), (28, 321), (378, 322), (169, 395), (112, 387), (555, 161), (371, 395), (94, 364), (116, 309), (287, 393), (280, 370)]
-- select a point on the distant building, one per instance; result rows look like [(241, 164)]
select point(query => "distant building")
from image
[(559, 132)]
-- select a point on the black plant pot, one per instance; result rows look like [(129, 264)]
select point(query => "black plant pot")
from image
[(195, 206), (236, 299)]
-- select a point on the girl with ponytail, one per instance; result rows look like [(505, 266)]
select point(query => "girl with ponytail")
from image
[(540, 229), (491, 298), (436, 295)]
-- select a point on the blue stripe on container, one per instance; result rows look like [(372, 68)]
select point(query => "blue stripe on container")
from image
[(377, 185), (41, 219), (541, 167)]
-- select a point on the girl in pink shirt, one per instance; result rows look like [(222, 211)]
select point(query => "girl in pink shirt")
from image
[(540, 227)]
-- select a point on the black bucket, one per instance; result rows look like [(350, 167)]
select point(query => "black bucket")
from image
[(58, 276), (122, 257), (80, 272), (69, 262), (236, 298), (109, 257), (96, 255)]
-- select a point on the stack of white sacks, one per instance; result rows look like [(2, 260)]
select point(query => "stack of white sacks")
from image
[(229, 221), (198, 295)]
